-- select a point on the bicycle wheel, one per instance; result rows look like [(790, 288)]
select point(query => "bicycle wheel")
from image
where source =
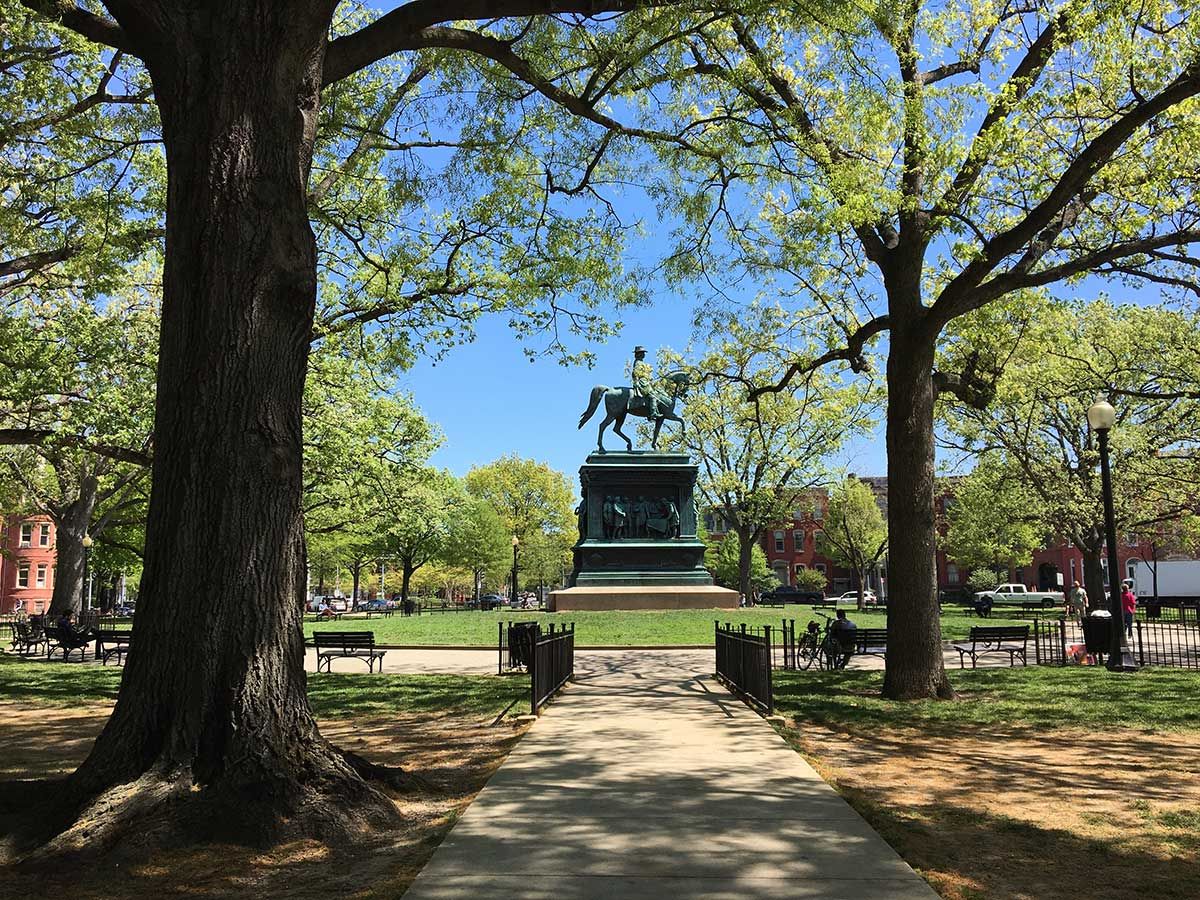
[(807, 652)]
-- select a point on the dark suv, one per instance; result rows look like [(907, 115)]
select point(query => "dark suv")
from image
[(789, 593)]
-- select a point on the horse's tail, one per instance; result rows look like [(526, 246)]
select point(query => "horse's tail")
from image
[(597, 392)]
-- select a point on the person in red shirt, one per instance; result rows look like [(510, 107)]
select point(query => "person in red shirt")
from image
[(1128, 605)]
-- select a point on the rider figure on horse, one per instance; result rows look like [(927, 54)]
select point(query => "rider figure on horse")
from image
[(645, 397)]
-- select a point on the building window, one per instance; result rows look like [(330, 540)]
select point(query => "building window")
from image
[(951, 573), (1020, 579), (818, 542), (44, 536), (1131, 569), (23, 575), (41, 575), (820, 567), (779, 542), (1073, 576), (781, 572), (799, 568), (798, 541), (27, 534), (39, 606)]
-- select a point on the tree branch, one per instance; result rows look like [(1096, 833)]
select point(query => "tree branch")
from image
[(46, 436), (398, 29), (851, 353), (93, 27)]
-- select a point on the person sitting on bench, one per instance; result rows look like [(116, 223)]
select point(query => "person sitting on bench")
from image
[(842, 633), (69, 635)]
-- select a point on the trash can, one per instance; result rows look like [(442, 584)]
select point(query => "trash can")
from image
[(1097, 631)]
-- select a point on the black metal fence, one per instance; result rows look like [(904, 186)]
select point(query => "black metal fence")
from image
[(744, 663), (1050, 642), (1166, 644), (552, 663), (1172, 641), (784, 652), (514, 645)]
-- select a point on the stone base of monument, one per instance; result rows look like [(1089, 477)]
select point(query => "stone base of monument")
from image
[(643, 597)]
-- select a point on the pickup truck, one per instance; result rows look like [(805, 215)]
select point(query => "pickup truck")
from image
[(1016, 594)]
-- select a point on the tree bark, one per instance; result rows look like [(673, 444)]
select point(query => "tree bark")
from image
[(406, 573), (745, 558), (71, 524), (213, 719), (914, 665), (1093, 577), (356, 580)]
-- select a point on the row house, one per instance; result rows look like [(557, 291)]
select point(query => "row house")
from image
[(791, 547), (799, 544), (26, 563)]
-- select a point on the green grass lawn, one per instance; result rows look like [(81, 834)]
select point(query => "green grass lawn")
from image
[(333, 696), (1034, 697), (617, 628)]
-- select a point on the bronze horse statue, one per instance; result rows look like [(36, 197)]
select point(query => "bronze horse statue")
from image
[(616, 408)]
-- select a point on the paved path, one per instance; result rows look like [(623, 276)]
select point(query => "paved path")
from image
[(646, 780), (436, 660)]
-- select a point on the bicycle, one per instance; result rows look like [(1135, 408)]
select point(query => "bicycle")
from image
[(823, 647)]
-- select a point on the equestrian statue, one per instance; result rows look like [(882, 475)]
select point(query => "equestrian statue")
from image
[(641, 399)]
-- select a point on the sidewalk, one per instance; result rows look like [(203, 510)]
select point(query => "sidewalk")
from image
[(646, 780)]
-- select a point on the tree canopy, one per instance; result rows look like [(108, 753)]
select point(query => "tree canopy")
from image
[(1038, 472)]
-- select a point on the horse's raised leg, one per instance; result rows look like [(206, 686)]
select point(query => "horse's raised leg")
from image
[(657, 428), (617, 429)]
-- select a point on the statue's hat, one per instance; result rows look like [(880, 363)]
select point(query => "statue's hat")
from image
[(639, 349)]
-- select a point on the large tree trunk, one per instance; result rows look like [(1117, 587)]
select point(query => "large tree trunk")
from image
[(745, 558), (71, 525), (914, 666), (406, 574), (213, 721)]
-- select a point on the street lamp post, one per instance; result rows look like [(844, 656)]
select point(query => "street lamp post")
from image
[(87, 587), (1101, 417), (516, 542)]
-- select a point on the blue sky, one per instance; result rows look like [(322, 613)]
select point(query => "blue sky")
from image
[(489, 400)]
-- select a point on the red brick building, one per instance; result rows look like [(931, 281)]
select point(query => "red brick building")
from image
[(798, 544), (26, 563)]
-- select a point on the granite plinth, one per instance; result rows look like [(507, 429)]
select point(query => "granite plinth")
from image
[(610, 597), (637, 523)]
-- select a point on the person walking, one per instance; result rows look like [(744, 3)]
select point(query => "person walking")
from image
[(1077, 602), (1128, 605)]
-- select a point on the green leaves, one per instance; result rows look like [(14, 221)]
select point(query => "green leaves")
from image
[(1037, 475)]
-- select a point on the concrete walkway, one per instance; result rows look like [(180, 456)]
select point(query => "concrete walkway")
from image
[(646, 780)]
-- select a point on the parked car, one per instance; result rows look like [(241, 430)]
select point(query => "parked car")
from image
[(378, 604), (960, 595), (491, 601), (124, 610), (337, 604), (850, 598), (789, 593)]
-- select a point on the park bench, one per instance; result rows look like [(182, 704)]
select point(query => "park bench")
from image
[(332, 645), (28, 637), (1035, 608), (871, 641), (1010, 639), (110, 643), (66, 641)]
